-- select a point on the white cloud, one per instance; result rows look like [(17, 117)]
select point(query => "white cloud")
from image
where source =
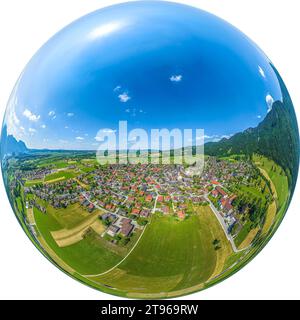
[(259, 117), (31, 116), (124, 97), (13, 121), (31, 130), (63, 141), (261, 71), (216, 137), (79, 138), (176, 78), (15, 118), (52, 114), (66, 127), (210, 137), (127, 110), (70, 114), (270, 101), (43, 126), (226, 136), (117, 88)]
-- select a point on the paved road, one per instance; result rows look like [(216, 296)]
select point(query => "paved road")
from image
[(224, 226)]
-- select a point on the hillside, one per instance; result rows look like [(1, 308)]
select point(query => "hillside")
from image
[(276, 137)]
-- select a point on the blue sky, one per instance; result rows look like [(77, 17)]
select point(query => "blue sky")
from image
[(154, 64)]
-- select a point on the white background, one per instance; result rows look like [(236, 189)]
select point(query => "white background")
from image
[(25, 25)]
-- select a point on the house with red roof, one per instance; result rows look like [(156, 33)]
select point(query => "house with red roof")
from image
[(221, 191), (181, 214), (136, 211), (149, 198), (160, 199), (215, 193)]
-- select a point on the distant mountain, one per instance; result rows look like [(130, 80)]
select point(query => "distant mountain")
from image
[(276, 137), (10, 145)]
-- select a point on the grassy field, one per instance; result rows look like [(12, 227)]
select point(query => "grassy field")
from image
[(249, 238), (30, 183), (61, 175), (88, 256), (277, 176), (172, 256), (71, 216), (270, 217), (243, 233)]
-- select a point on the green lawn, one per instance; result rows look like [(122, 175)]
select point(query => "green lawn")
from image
[(171, 256), (88, 256)]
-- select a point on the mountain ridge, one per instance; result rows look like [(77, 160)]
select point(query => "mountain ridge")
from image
[(276, 137)]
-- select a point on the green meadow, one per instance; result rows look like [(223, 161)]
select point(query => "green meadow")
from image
[(88, 256), (63, 175), (187, 256)]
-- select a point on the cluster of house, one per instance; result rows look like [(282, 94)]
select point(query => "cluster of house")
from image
[(128, 192), (59, 194), (226, 172), (225, 201), (37, 174), (118, 224), (123, 226), (33, 203)]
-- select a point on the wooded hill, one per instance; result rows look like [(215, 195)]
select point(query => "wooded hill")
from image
[(276, 137)]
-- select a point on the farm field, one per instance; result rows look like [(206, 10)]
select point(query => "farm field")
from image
[(30, 183), (71, 216), (186, 252), (61, 175), (87, 256), (277, 176)]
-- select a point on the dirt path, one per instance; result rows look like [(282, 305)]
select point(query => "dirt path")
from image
[(30, 216), (54, 180)]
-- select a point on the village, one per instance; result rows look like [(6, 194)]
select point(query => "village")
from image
[(129, 194)]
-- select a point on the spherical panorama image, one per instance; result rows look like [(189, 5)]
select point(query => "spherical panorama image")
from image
[(150, 149)]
